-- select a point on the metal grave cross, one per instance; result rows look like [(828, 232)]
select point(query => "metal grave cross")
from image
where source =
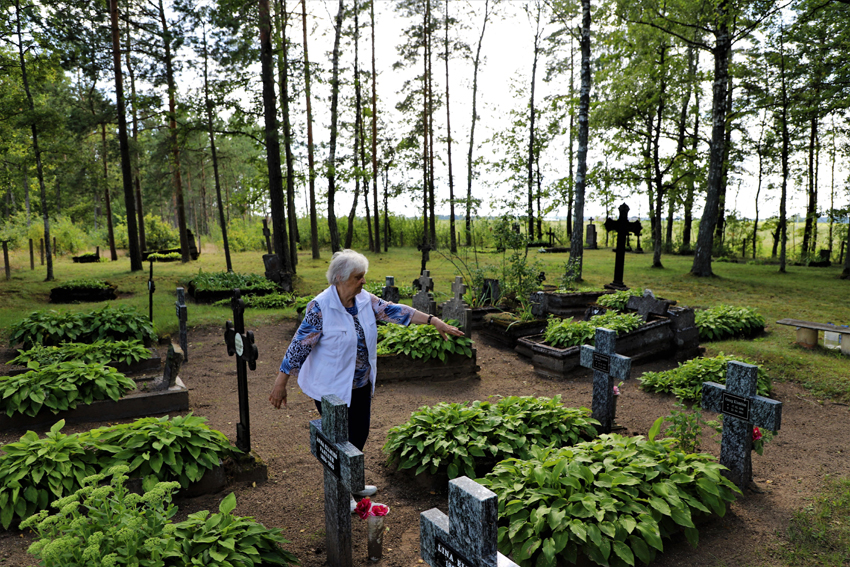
[(151, 290), (267, 234), (344, 474), (423, 300), (623, 228), (741, 409), (468, 536), (180, 309), (607, 366), (242, 345)]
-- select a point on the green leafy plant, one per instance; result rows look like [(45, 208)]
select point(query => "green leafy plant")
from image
[(726, 321), (301, 303), (458, 439), (226, 539), (226, 281), (164, 257), (271, 301), (619, 299), (101, 352), (34, 471), (686, 380), (53, 327), (375, 288), (563, 333), (83, 284), (61, 386), (611, 499), (157, 449), (685, 427), (46, 327), (420, 341)]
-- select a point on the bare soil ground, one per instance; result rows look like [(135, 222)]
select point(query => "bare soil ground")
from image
[(813, 443)]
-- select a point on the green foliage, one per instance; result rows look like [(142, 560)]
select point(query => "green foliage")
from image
[(160, 448), (159, 235), (301, 303), (420, 341), (611, 499), (84, 284), (375, 288), (89, 256), (33, 471), (52, 327), (226, 281), (726, 321), (61, 386), (225, 539), (166, 257), (819, 534), (564, 333), (618, 300), (271, 301), (686, 380), (102, 352), (456, 438), (245, 235), (686, 427)]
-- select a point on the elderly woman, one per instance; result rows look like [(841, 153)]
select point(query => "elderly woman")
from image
[(336, 345)]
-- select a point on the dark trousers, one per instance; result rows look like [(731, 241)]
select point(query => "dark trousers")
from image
[(359, 415)]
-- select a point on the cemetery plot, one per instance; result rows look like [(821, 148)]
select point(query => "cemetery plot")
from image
[(209, 287), (505, 329), (83, 290), (564, 305), (418, 352)]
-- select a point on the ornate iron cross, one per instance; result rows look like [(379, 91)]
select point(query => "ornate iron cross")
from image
[(242, 345)]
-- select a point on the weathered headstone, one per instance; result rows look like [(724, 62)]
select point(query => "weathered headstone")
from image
[(590, 237), (468, 536), (647, 304), (242, 345), (741, 409), (344, 474), (608, 367), (491, 292), (267, 235), (623, 227), (180, 309), (170, 371), (424, 300), (390, 292), (151, 290), (455, 308)]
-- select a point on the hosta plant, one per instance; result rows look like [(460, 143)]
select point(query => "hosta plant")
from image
[(564, 333), (218, 281), (34, 472), (686, 380), (54, 327), (459, 438), (619, 299), (726, 321), (420, 342), (164, 257), (61, 386), (83, 284), (101, 352), (271, 301), (612, 499)]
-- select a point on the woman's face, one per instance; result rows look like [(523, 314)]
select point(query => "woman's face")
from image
[(354, 284)]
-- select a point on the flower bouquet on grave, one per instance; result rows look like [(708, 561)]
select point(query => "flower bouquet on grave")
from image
[(760, 437), (374, 514)]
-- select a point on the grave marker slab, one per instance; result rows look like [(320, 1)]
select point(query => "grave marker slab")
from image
[(182, 314), (468, 536), (647, 305), (242, 345), (742, 409), (608, 367), (424, 300), (344, 473), (590, 238), (170, 371), (456, 308), (390, 292), (623, 227)]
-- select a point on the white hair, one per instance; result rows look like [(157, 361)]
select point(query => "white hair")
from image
[(344, 263)]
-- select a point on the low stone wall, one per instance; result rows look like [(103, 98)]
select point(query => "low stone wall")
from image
[(403, 368)]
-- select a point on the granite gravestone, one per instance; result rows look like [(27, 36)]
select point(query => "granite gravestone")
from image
[(468, 536), (647, 305), (741, 409), (456, 308), (623, 227), (424, 300), (170, 371), (607, 366), (390, 292), (242, 345), (181, 311), (344, 474), (590, 237)]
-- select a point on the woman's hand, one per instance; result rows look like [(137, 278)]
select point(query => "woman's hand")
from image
[(445, 329), (278, 395)]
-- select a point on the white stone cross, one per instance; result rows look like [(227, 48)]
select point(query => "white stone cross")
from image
[(741, 409), (423, 300), (468, 536), (458, 288), (607, 366), (344, 474), (425, 281)]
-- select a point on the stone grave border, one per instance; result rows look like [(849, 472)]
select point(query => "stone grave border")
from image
[(88, 295), (403, 368)]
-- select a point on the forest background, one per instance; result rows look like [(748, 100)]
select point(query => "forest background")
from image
[(348, 123)]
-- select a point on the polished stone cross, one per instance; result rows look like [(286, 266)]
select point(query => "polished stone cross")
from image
[(242, 345), (468, 536), (180, 309), (344, 474), (267, 234), (607, 366), (623, 228), (741, 408), (423, 300)]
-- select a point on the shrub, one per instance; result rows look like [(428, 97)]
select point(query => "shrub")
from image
[(83, 284), (611, 499), (726, 321), (455, 437), (618, 300), (686, 380), (52, 327), (420, 341), (564, 333), (226, 281), (159, 235), (101, 352)]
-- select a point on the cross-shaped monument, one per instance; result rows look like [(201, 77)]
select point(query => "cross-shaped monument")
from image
[(242, 345), (425, 248), (456, 308), (424, 300), (390, 292), (623, 227), (607, 366), (647, 305), (344, 474), (468, 536), (267, 235), (741, 409), (180, 309), (151, 290)]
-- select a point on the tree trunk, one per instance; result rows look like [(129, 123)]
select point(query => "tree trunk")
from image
[(531, 116), (469, 173), (287, 138), (571, 190), (137, 183), (720, 229), (375, 133), (430, 131), (660, 190), (332, 226), (426, 238), (783, 221), (110, 229), (452, 237), (358, 118), (812, 202), (311, 176)]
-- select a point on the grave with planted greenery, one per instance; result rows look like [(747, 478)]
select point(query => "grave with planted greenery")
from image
[(209, 287), (418, 352)]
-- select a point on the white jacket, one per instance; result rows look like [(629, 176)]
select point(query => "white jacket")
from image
[(329, 369)]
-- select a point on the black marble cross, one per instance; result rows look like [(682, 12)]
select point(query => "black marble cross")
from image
[(267, 234), (741, 409), (180, 309), (242, 345), (468, 536), (151, 290), (344, 474), (607, 366), (623, 228)]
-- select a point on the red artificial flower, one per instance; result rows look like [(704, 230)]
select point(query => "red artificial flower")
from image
[(379, 510), (756, 434), (363, 507)]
